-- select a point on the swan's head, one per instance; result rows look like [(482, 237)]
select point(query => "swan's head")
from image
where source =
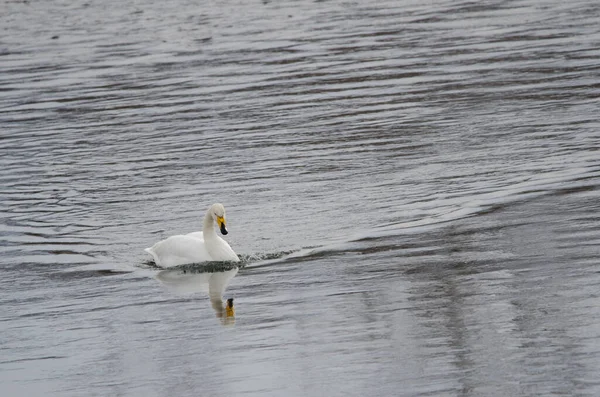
[(218, 213)]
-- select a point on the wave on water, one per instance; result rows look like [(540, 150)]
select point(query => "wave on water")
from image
[(453, 209)]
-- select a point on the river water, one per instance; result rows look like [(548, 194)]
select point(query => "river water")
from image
[(413, 187)]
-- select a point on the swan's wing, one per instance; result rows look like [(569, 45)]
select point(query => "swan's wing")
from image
[(222, 251), (199, 235), (179, 250)]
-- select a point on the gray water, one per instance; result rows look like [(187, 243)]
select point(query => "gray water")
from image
[(413, 188)]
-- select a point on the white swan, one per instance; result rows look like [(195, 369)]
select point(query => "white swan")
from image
[(197, 246)]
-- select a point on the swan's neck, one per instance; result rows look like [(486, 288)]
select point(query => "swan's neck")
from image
[(209, 226)]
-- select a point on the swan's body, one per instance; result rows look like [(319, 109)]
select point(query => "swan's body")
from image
[(197, 246)]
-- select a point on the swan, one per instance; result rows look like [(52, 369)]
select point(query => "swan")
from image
[(197, 246)]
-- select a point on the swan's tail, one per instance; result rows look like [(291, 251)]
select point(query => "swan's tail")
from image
[(154, 256)]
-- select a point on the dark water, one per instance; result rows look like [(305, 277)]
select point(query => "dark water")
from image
[(413, 186)]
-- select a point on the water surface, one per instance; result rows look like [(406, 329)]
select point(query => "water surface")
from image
[(413, 187)]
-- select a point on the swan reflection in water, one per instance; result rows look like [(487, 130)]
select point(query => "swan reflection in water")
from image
[(211, 279)]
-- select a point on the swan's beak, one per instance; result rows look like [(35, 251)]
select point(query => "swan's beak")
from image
[(221, 223), (229, 310)]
